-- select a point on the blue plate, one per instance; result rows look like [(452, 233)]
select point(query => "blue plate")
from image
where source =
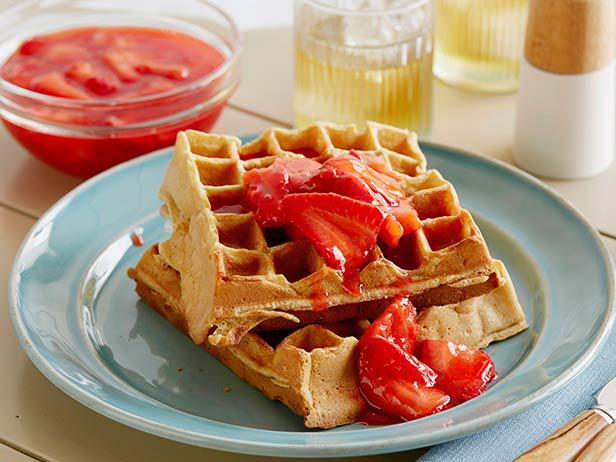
[(80, 321)]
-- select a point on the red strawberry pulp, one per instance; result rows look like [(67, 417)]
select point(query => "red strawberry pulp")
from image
[(93, 65), (109, 62), (341, 206), (373, 417), (403, 379), (463, 372)]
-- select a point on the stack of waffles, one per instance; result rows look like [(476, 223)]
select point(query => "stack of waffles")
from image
[(248, 295)]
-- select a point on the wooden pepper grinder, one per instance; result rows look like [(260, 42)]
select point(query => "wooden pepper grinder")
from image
[(565, 121)]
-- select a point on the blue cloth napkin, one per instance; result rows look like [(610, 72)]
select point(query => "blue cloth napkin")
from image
[(509, 439)]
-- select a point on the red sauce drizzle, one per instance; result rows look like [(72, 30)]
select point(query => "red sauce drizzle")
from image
[(136, 239), (373, 416), (307, 152), (231, 208), (319, 296), (401, 283)]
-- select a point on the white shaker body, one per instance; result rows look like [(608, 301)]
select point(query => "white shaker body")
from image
[(565, 122)]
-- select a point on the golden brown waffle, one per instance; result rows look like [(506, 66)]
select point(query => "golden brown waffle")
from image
[(313, 369), (236, 275)]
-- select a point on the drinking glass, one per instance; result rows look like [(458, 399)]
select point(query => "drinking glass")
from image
[(479, 43), (358, 60)]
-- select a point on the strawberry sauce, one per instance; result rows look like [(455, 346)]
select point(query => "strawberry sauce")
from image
[(341, 206), (318, 296), (109, 62), (402, 378), (103, 75), (374, 417)]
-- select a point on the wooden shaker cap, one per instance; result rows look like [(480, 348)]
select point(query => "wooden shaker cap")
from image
[(570, 36)]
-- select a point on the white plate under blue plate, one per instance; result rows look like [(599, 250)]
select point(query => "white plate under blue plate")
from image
[(82, 325)]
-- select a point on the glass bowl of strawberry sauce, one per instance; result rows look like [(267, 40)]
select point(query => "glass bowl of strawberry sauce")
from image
[(86, 85)]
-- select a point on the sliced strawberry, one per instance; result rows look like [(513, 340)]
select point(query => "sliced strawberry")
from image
[(351, 177), (299, 170), (407, 216), (386, 185), (402, 220), (409, 380), (264, 188), (390, 377), (55, 84), (396, 324), (342, 230), (337, 175), (81, 71), (411, 401), (335, 195), (84, 73), (381, 358), (463, 372), (170, 71), (391, 232), (123, 64), (397, 383), (64, 51), (31, 47), (377, 163), (100, 86)]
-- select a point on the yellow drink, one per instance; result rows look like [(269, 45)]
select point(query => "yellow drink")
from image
[(398, 95), (368, 60), (479, 43)]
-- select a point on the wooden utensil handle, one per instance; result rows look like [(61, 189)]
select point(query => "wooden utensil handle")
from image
[(602, 448), (566, 443)]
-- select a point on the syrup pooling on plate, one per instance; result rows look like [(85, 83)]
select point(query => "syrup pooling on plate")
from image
[(341, 206)]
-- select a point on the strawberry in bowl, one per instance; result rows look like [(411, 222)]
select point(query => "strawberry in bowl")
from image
[(84, 98)]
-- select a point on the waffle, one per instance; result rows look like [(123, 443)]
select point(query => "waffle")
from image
[(236, 275), (312, 370)]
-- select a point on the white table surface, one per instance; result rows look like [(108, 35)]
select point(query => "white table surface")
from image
[(39, 422)]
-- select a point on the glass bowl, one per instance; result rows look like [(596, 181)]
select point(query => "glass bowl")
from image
[(84, 137)]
